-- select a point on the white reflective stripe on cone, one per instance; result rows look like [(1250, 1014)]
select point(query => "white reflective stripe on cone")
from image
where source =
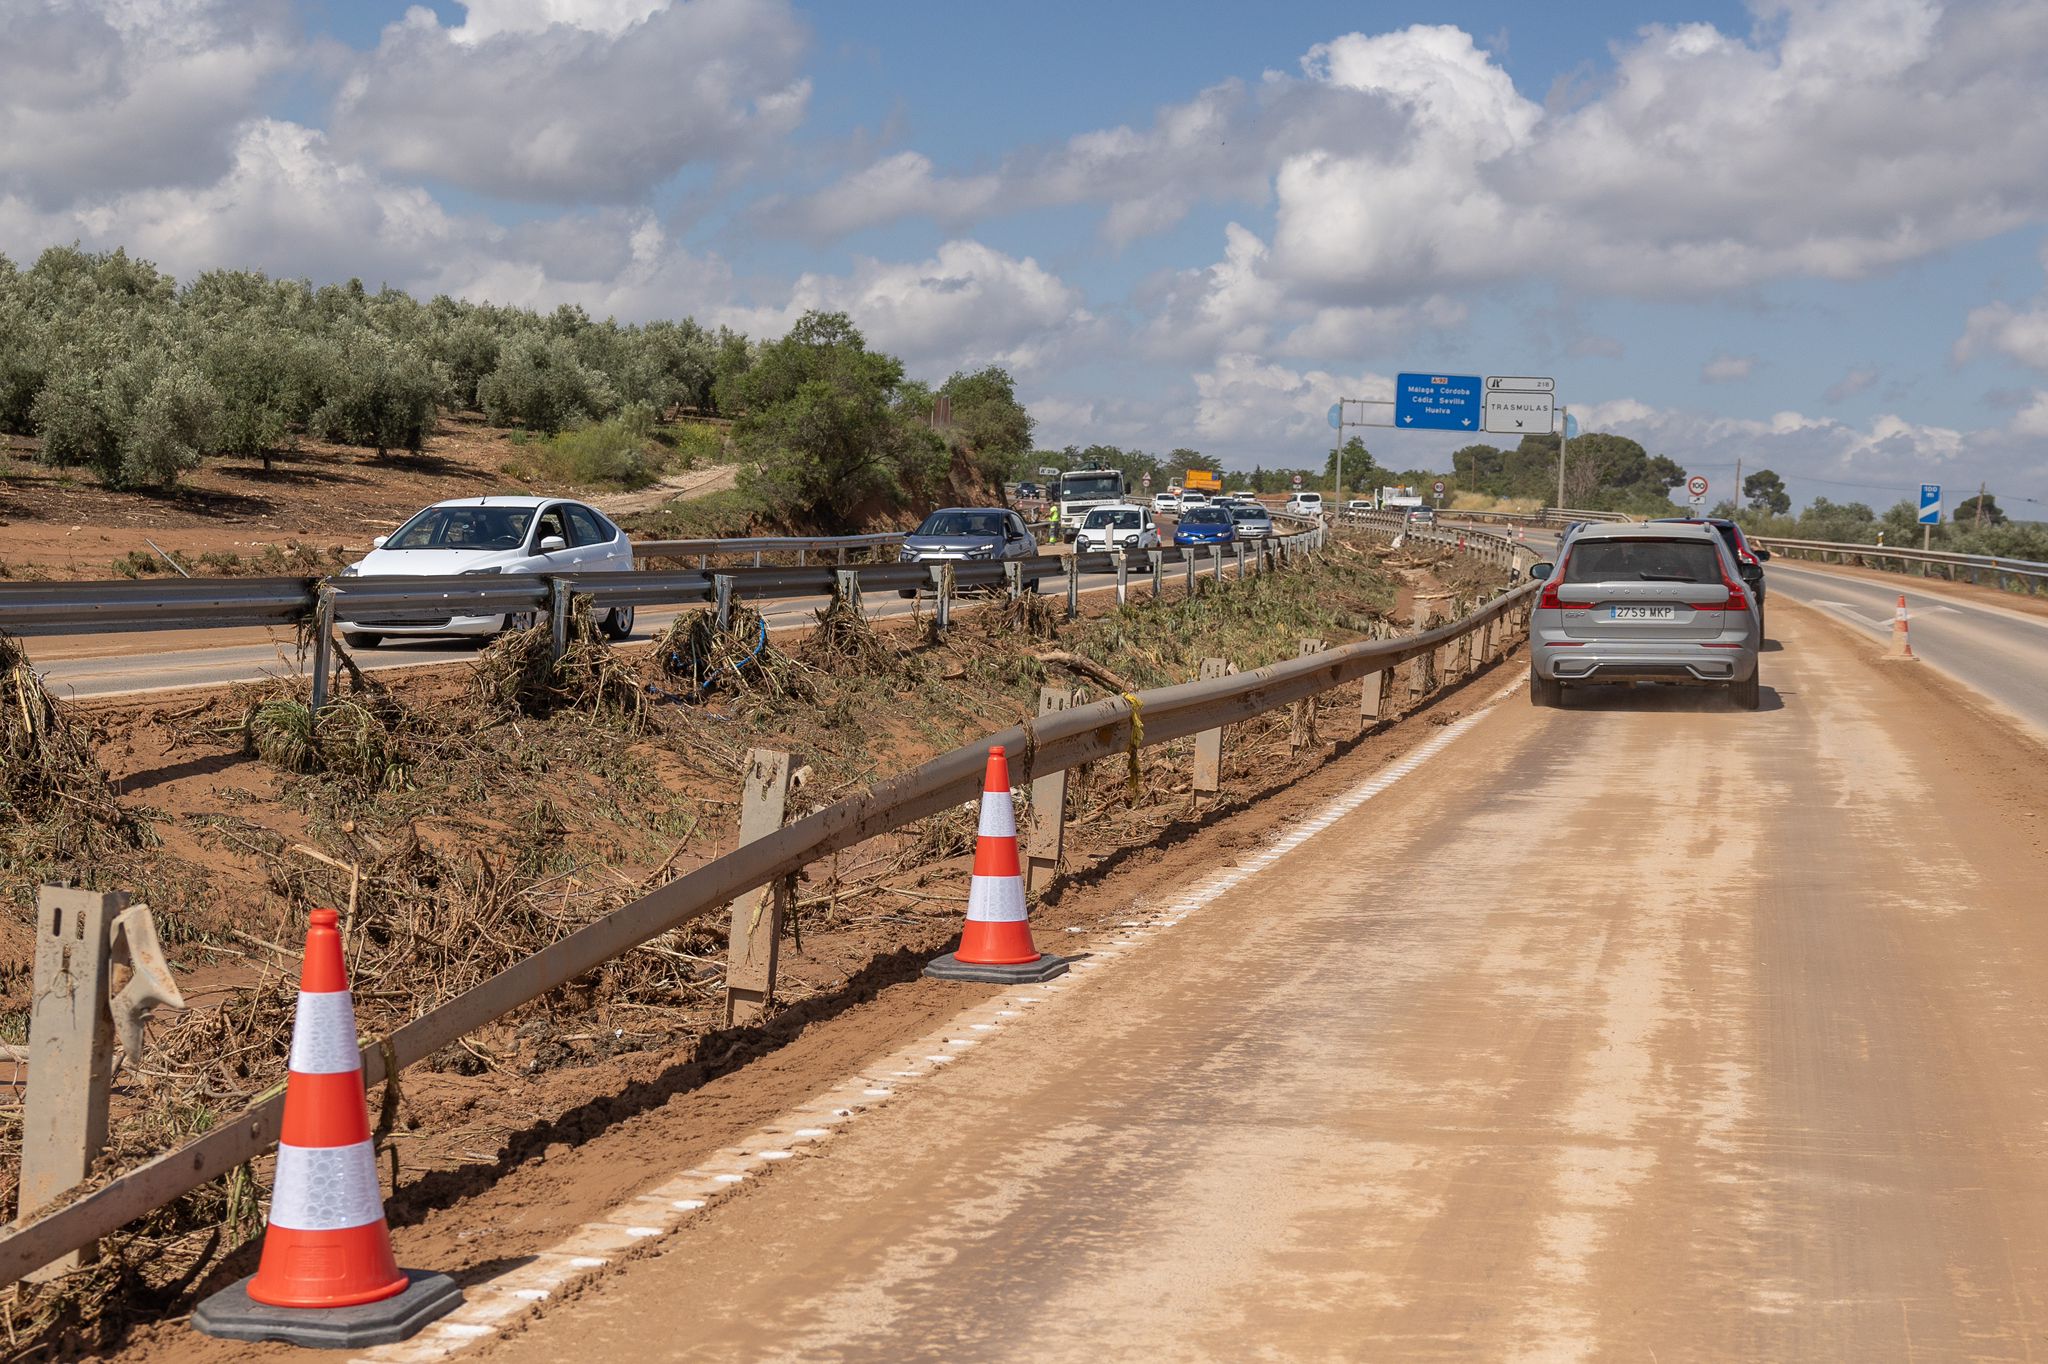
[(998, 815), (324, 1034), (996, 899), (326, 1188)]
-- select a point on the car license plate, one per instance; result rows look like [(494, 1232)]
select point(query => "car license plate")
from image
[(1644, 613)]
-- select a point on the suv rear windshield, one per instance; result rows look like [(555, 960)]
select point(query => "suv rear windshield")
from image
[(1650, 561)]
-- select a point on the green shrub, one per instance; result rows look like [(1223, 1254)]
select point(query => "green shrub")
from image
[(609, 453)]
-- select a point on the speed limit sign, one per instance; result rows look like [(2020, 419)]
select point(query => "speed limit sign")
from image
[(1297, 480), (1438, 487), (1696, 485)]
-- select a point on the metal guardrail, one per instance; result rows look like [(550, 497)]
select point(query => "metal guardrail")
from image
[(2027, 575), (838, 546), (1052, 742)]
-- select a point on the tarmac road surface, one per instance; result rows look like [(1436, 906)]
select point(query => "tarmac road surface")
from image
[(1644, 1029)]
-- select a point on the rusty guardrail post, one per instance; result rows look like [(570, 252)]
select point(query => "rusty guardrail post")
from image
[(71, 1050), (1302, 733), (323, 646), (560, 603), (1046, 836), (1208, 768), (1074, 583), (755, 944)]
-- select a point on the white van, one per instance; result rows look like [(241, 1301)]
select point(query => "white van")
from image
[(1304, 504)]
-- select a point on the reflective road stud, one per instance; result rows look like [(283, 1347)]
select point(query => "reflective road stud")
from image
[(326, 1278), (995, 944)]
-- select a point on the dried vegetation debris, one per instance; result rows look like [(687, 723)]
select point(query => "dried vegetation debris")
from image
[(478, 823)]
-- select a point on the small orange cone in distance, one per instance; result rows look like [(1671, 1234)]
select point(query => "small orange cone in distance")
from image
[(326, 1277), (1902, 639), (995, 944)]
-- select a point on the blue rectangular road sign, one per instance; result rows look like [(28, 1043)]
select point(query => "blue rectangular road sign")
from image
[(1437, 402), (1930, 504)]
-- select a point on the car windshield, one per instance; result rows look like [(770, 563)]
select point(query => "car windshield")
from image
[(1205, 516), (1249, 514), (478, 528), (1650, 561), (1091, 485), (1115, 520), (988, 524)]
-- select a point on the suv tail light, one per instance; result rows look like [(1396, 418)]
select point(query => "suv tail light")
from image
[(1549, 600), (1738, 598)]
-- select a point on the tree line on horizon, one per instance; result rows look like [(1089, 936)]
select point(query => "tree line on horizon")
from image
[(115, 367)]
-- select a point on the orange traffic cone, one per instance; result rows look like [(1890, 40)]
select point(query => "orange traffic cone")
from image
[(996, 943), (1902, 639), (326, 1277)]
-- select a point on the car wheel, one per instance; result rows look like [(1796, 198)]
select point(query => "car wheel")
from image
[(619, 623), (359, 639), (1748, 694), (906, 592), (1545, 693)]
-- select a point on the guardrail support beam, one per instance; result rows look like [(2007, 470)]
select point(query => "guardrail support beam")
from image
[(721, 596), (1046, 836), (942, 595), (847, 583), (1123, 577), (323, 646), (755, 943), (1216, 563), (1302, 734), (560, 602), (71, 1051), (1158, 572), (1372, 694), (1074, 583), (1208, 768), (1013, 580)]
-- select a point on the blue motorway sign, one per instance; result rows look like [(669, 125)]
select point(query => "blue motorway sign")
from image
[(1437, 402), (1337, 416), (1930, 504)]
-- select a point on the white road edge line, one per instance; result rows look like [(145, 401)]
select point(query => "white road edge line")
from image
[(515, 1296)]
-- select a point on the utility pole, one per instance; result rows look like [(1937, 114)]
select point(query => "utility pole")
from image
[(1564, 424), (1980, 506), (1738, 483)]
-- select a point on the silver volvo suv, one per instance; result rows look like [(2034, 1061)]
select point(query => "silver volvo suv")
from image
[(1643, 603)]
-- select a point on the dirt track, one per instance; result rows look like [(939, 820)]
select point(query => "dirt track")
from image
[(1646, 1029)]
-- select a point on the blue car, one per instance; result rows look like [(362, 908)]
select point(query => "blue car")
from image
[(1202, 524)]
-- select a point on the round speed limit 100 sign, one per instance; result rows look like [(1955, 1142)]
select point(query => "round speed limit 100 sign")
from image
[(1696, 485)]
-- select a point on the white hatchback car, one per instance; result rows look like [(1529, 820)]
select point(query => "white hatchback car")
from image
[(1115, 525), (477, 535)]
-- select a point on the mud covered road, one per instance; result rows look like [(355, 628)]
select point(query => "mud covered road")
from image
[(1645, 1029)]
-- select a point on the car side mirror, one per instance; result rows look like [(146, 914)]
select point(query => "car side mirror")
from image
[(1538, 572), (550, 543), (1763, 554), (378, 543)]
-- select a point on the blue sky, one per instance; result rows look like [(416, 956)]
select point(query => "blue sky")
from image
[(1808, 234)]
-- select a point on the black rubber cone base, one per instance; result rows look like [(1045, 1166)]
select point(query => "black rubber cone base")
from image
[(950, 967), (233, 1315)]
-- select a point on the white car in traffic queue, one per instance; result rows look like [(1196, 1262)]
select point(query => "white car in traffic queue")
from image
[(1116, 525), (473, 536), (1304, 504)]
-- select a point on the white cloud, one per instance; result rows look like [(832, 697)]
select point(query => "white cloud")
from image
[(900, 186), (1889, 452), (97, 98), (2032, 420), (522, 103), (284, 205), (1727, 369), (2017, 334), (1246, 402), (1852, 383), (966, 305)]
